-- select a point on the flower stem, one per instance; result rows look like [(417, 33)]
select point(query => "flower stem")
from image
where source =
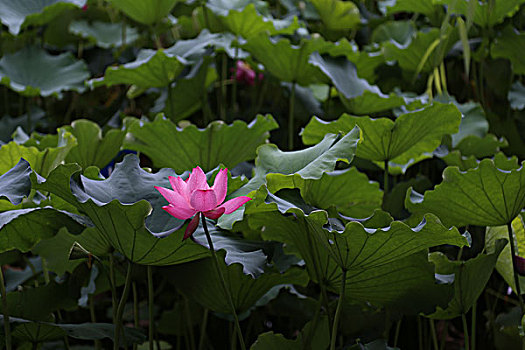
[(291, 133), (7, 326), (151, 325), (120, 309), (338, 310), (223, 282), (516, 276)]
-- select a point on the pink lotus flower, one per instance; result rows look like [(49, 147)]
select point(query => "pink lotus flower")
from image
[(245, 74), (195, 196)]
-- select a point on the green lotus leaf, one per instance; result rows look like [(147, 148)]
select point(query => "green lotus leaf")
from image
[(44, 153), (484, 14), (56, 251), (193, 50), (22, 13), (104, 35), (504, 264), (400, 32), (247, 23), (318, 338), (338, 15), (38, 331), (288, 62), (126, 211), (426, 7), (516, 96), (309, 163), (152, 68), (473, 122), (403, 142), (27, 122), (405, 270), (32, 71), (507, 46), (15, 184), (471, 148), (348, 190), (199, 281), (493, 194), (356, 94), (182, 149), (93, 148), (185, 96), (145, 11), (22, 229), (470, 279), (122, 226), (410, 55)]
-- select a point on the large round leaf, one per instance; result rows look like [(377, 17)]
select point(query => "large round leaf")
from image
[(182, 149), (145, 11), (104, 35), (387, 266), (32, 72), (21, 13), (402, 142), (198, 280), (92, 147), (493, 194), (348, 190), (357, 94)]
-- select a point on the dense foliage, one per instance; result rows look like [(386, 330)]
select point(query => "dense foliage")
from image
[(381, 144)]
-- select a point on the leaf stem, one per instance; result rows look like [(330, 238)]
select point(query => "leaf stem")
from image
[(151, 325), (120, 309), (234, 84), (93, 316), (113, 286), (514, 270), (135, 309), (338, 310), (223, 282), (465, 331), (385, 182), (473, 325), (7, 327), (398, 329), (434, 335), (204, 324), (291, 133)]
